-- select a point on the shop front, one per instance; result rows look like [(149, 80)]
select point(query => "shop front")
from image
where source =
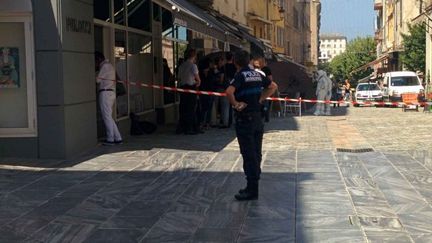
[(47, 75)]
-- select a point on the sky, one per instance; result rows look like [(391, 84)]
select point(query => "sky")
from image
[(351, 18)]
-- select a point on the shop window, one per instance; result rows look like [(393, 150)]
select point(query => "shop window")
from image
[(119, 12), (167, 24), (140, 66), (17, 84), (181, 33), (139, 14), (121, 60), (157, 15), (168, 70), (102, 10)]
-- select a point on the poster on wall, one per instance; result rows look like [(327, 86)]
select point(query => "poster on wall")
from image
[(9, 67)]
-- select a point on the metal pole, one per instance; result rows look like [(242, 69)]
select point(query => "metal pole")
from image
[(300, 106)]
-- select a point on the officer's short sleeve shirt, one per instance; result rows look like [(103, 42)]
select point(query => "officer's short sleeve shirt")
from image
[(249, 85)]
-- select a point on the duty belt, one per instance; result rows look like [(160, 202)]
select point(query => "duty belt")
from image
[(247, 116), (102, 90)]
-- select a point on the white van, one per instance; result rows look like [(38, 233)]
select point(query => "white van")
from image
[(398, 83)]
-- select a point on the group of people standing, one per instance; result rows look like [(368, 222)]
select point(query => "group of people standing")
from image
[(213, 75)]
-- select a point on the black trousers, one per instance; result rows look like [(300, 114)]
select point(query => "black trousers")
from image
[(188, 121), (250, 130), (206, 103), (266, 110)]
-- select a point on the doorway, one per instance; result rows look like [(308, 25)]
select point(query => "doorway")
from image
[(101, 43)]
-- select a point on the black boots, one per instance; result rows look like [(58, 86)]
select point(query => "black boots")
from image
[(249, 193)]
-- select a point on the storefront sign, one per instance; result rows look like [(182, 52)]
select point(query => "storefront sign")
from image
[(180, 22), (9, 67), (78, 26)]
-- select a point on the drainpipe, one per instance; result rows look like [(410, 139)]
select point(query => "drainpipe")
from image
[(267, 18)]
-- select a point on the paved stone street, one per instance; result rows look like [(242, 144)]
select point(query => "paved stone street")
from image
[(170, 188)]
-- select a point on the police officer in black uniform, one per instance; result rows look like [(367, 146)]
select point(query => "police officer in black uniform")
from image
[(247, 93)]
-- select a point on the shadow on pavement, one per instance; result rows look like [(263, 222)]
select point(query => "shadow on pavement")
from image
[(147, 204), (335, 111), (213, 140)]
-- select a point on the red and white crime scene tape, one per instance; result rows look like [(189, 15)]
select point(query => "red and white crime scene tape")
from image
[(191, 91)]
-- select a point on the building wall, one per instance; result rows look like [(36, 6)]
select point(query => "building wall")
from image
[(234, 9), (396, 15), (277, 30), (379, 25), (428, 71), (389, 29), (65, 81), (315, 22), (298, 30), (331, 47), (258, 18), (66, 97)]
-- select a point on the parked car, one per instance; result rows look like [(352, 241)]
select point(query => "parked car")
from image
[(368, 92), (398, 83)]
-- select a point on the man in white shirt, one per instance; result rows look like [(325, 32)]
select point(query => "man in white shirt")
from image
[(107, 95), (188, 78)]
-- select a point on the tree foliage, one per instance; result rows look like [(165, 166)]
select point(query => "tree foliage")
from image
[(359, 52), (413, 58)]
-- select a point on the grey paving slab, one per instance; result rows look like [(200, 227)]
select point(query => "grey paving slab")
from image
[(417, 223), (60, 232), (367, 196), (159, 235), (324, 197), (54, 208), (223, 220), (179, 222), (115, 235), (387, 237), (144, 209), (378, 223), (215, 235), (118, 222), (86, 215), (360, 182), (321, 208), (157, 188), (375, 211), (422, 238), (25, 226), (332, 222), (331, 176), (320, 187), (267, 230), (271, 212), (330, 236), (316, 168), (378, 171)]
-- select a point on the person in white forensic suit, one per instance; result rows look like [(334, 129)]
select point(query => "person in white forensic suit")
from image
[(323, 92), (107, 95)]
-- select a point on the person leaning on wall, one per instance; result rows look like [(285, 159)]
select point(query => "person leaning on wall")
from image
[(106, 80)]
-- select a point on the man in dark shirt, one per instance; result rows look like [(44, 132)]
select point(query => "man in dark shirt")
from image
[(230, 70), (246, 93), (206, 101)]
